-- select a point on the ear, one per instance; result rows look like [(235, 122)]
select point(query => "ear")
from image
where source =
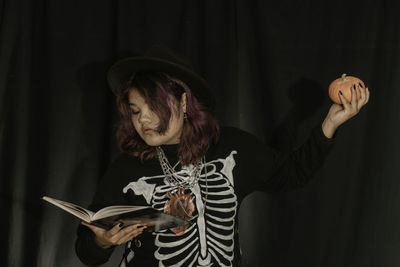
[(183, 102)]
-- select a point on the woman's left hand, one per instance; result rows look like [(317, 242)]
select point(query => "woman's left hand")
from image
[(338, 114)]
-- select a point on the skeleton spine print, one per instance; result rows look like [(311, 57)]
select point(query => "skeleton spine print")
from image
[(212, 204)]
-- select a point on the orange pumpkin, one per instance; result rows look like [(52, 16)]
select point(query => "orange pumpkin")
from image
[(345, 84)]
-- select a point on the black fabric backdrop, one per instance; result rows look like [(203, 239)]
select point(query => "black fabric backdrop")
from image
[(270, 63)]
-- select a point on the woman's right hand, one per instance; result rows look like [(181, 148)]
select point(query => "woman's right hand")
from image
[(117, 235)]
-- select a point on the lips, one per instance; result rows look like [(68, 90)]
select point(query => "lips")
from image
[(148, 131)]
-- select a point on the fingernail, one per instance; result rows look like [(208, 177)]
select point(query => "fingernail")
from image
[(340, 92), (121, 224)]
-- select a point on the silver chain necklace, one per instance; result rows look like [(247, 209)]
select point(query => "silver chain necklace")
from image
[(175, 178)]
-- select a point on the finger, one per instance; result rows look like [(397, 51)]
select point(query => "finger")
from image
[(345, 104), (127, 231), (363, 96), (116, 228), (128, 234), (131, 222), (132, 228), (135, 233), (354, 100), (115, 234), (131, 235), (85, 223)]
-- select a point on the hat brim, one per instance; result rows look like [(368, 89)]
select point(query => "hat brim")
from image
[(120, 73)]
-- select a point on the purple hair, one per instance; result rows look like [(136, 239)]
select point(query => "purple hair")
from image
[(163, 93)]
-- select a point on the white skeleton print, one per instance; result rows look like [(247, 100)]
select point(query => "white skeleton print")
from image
[(210, 239)]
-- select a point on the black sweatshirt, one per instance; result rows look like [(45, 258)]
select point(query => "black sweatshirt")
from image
[(238, 165)]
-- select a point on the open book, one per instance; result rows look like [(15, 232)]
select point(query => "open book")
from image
[(109, 216)]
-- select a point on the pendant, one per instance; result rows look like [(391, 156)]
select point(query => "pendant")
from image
[(179, 205)]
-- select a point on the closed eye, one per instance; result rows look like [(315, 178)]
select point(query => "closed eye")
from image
[(134, 109)]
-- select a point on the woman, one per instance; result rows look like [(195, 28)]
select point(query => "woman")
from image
[(177, 159)]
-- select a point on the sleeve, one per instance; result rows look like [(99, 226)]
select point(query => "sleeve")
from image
[(88, 251), (274, 171), (108, 192)]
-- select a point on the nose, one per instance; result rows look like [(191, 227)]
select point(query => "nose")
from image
[(145, 116)]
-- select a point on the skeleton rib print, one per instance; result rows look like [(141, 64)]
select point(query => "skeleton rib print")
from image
[(210, 239)]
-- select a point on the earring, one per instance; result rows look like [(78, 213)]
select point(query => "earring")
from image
[(185, 116)]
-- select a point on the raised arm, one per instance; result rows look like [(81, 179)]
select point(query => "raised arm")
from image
[(272, 171)]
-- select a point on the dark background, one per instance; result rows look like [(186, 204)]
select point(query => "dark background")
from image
[(270, 63)]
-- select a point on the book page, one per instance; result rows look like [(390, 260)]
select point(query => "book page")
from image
[(73, 209), (116, 210)]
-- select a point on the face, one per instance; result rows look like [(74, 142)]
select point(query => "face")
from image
[(146, 121)]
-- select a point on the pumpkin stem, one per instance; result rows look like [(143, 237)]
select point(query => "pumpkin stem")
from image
[(344, 76)]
